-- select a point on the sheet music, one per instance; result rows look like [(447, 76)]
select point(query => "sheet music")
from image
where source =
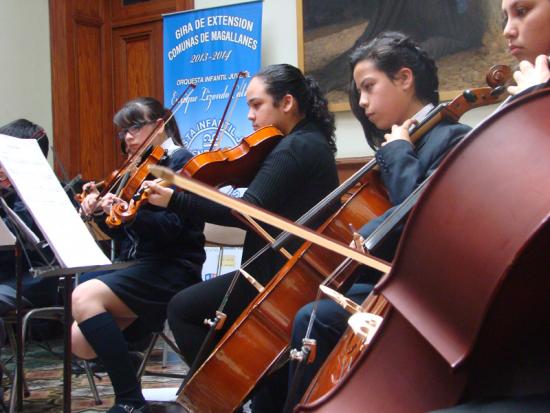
[(40, 190)]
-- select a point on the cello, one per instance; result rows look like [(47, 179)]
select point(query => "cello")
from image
[(431, 349)]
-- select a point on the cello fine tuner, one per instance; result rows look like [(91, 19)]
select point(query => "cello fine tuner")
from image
[(365, 325), (217, 322), (307, 353)]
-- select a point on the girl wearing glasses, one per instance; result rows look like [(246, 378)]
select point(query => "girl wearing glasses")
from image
[(168, 251)]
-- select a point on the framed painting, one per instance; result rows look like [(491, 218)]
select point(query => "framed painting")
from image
[(463, 36)]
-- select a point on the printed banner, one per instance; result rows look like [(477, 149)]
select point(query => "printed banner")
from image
[(209, 48)]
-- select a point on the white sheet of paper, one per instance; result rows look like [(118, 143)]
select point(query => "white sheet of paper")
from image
[(40, 190)]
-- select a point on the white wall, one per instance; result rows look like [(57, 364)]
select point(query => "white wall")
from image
[(25, 80)]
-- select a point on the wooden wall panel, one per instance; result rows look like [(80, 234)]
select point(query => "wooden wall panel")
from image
[(140, 12), (90, 98), (89, 9), (63, 86), (103, 53), (348, 166), (138, 62), (137, 68)]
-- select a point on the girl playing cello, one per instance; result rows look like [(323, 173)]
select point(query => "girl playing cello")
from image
[(394, 84), (298, 173)]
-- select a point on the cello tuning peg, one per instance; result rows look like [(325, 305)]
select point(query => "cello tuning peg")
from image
[(469, 95), (307, 353)]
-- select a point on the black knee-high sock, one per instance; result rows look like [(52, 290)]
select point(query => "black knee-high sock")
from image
[(107, 340)]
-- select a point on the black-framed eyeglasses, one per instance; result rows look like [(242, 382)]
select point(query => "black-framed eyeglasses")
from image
[(132, 130)]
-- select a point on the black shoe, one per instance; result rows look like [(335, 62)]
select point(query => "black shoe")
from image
[(125, 408)]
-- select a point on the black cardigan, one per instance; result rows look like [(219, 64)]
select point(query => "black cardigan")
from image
[(299, 172)]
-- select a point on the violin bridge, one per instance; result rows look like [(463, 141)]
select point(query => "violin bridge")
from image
[(365, 325), (252, 280), (340, 299)]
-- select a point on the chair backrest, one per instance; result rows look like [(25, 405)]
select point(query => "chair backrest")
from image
[(223, 236)]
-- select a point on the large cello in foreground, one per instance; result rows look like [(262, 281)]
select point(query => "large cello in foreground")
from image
[(470, 284)]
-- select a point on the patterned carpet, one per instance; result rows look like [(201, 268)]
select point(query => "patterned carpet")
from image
[(44, 375)]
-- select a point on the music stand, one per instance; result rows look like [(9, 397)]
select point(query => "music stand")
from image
[(68, 273), (73, 246)]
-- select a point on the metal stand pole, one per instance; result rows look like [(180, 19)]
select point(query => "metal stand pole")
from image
[(67, 292), (19, 327)]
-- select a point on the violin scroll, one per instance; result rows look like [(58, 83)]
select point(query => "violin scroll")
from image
[(498, 75)]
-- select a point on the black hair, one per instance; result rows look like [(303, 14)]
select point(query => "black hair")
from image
[(142, 110), (25, 129), (390, 52), (283, 79)]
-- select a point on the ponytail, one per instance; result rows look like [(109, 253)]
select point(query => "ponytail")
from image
[(283, 79), (317, 110)]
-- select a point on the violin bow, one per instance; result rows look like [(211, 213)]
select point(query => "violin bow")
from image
[(222, 120), (261, 214), (172, 111)]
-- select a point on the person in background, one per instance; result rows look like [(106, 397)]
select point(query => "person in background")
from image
[(527, 33), (37, 292)]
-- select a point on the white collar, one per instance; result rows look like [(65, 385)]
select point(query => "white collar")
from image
[(170, 146)]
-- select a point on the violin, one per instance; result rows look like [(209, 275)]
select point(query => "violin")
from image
[(121, 212), (234, 166), (132, 162), (239, 164)]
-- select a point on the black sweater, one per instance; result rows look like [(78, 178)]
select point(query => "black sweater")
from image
[(299, 172)]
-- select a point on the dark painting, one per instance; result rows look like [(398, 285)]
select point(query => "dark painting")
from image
[(464, 36)]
